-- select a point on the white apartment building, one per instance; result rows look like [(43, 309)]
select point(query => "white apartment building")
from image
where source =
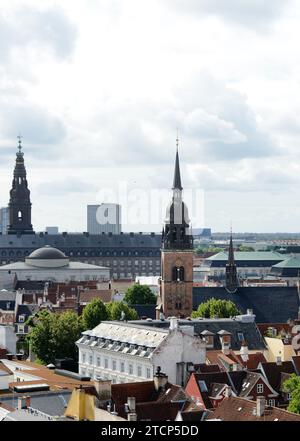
[(125, 352)]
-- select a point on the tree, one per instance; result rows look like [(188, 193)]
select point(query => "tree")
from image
[(245, 248), (139, 295), (94, 313), (292, 386), (115, 309), (53, 335), (216, 308)]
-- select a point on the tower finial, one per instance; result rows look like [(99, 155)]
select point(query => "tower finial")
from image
[(177, 178), (177, 140), (20, 144)]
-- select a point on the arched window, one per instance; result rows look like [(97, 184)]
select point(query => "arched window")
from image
[(178, 274), (174, 273), (20, 216), (181, 273)]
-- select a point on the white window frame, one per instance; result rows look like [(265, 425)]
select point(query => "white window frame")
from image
[(260, 388)]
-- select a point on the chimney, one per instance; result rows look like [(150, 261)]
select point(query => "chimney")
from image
[(160, 380), (103, 389), (173, 323), (249, 311), (278, 361), (228, 392), (244, 352), (22, 403), (132, 417), (27, 401), (131, 404), (260, 406)]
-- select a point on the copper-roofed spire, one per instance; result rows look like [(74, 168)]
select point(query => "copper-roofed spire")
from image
[(177, 178)]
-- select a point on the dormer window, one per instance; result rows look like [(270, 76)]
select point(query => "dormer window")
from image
[(208, 338), (22, 318)]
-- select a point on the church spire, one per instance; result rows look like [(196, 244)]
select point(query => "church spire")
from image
[(19, 202), (231, 281), (177, 178)]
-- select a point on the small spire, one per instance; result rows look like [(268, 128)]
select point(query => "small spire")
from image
[(177, 178)]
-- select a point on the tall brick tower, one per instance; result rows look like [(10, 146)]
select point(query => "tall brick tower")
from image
[(176, 289)]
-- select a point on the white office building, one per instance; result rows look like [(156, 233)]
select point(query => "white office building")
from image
[(104, 218), (126, 352)]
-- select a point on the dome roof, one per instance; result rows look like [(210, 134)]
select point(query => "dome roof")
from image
[(47, 252)]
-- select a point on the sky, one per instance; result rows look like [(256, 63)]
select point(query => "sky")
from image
[(99, 88)]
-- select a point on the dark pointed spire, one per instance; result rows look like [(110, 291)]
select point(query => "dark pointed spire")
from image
[(177, 178), (19, 202), (231, 281)]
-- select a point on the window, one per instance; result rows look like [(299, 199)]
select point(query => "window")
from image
[(289, 396), (114, 365), (148, 373), (91, 359), (260, 388), (98, 361), (83, 358), (241, 336), (122, 366), (139, 371), (21, 318), (130, 369), (106, 363), (21, 329), (272, 402), (203, 386)]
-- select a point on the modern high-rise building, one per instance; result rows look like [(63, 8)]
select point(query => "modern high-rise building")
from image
[(4, 219), (104, 218)]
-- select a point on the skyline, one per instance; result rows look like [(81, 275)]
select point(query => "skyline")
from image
[(114, 80)]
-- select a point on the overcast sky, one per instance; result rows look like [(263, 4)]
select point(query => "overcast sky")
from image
[(98, 88)]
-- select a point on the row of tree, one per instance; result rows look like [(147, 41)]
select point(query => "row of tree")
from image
[(54, 335)]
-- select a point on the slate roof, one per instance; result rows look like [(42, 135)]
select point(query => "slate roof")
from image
[(248, 329), (51, 403), (148, 311), (77, 240), (269, 304), (26, 310)]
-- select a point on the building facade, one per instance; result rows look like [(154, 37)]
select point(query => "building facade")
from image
[(125, 352), (104, 218)]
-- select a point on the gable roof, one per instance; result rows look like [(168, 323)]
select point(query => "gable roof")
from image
[(272, 371), (241, 409)]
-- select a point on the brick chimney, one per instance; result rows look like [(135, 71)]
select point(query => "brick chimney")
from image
[(103, 388)]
